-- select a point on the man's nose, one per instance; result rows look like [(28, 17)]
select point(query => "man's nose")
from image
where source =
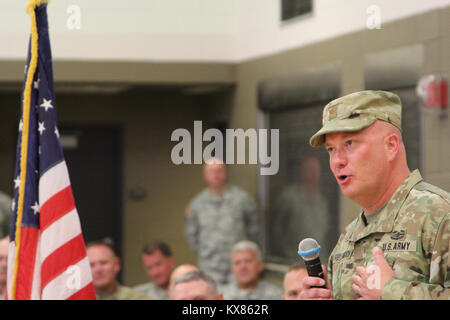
[(154, 273), (339, 158), (95, 268)]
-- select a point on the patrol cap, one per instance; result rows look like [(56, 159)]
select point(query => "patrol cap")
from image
[(357, 111)]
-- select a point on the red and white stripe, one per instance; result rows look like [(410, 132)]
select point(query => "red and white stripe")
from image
[(58, 267)]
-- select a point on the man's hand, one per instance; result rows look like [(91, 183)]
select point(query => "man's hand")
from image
[(370, 281), (309, 293)]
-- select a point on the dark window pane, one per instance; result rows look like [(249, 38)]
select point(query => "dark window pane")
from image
[(303, 197), (294, 8)]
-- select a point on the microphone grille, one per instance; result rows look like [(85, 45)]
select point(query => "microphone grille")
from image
[(308, 249)]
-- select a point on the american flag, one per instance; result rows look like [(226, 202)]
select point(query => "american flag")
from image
[(47, 254)]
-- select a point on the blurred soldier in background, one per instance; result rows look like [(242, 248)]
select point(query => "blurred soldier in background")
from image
[(301, 211), (247, 267), (181, 270), (4, 248), (105, 266), (292, 284), (217, 218), (194, 285), (5, 224), (5, 214), (158, 261)]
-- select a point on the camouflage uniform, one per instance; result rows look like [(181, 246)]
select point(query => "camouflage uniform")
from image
[(152, 290), (263, 291), (413, 229), (5, 214), (214, 223), (123, 293)]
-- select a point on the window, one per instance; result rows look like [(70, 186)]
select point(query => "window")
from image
[(295, 8), (303, 196), (302, 199)]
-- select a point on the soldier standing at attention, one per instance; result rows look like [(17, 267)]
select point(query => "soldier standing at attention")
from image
[(217, 218), (398, 246)]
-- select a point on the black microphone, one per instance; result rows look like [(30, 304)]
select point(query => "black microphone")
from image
[(309, 250)]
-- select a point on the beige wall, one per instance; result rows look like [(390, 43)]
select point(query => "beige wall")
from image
[(191, 30)]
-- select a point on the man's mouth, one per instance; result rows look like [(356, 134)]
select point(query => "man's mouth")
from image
[(343, 179)]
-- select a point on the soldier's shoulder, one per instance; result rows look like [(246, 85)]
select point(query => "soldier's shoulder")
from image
[(5, 203), (199, 197), (271, 291), (127, 293), (144, 287), (426, 187), (290, 191), (351, 226), (4, 196), (236, 190), (227, 288), (428, 199), (239, 194), (270, 286)]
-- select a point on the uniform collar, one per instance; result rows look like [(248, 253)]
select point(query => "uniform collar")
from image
[(109, 295), (225, 195), (384, 220)]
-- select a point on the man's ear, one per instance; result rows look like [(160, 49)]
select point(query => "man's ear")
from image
[(261, 266), (117, 265), (172, 262), (392, 145)]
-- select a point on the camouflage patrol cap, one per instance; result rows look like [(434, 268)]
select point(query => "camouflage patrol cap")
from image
[(357, 111)]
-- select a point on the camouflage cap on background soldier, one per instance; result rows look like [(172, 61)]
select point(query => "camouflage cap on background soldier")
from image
[(357, 111)]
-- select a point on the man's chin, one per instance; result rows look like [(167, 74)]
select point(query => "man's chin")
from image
[(161, 284), (348, 191), (245, 281), (100, 285)]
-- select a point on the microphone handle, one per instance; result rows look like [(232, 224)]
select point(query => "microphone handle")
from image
[(314, 268)]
